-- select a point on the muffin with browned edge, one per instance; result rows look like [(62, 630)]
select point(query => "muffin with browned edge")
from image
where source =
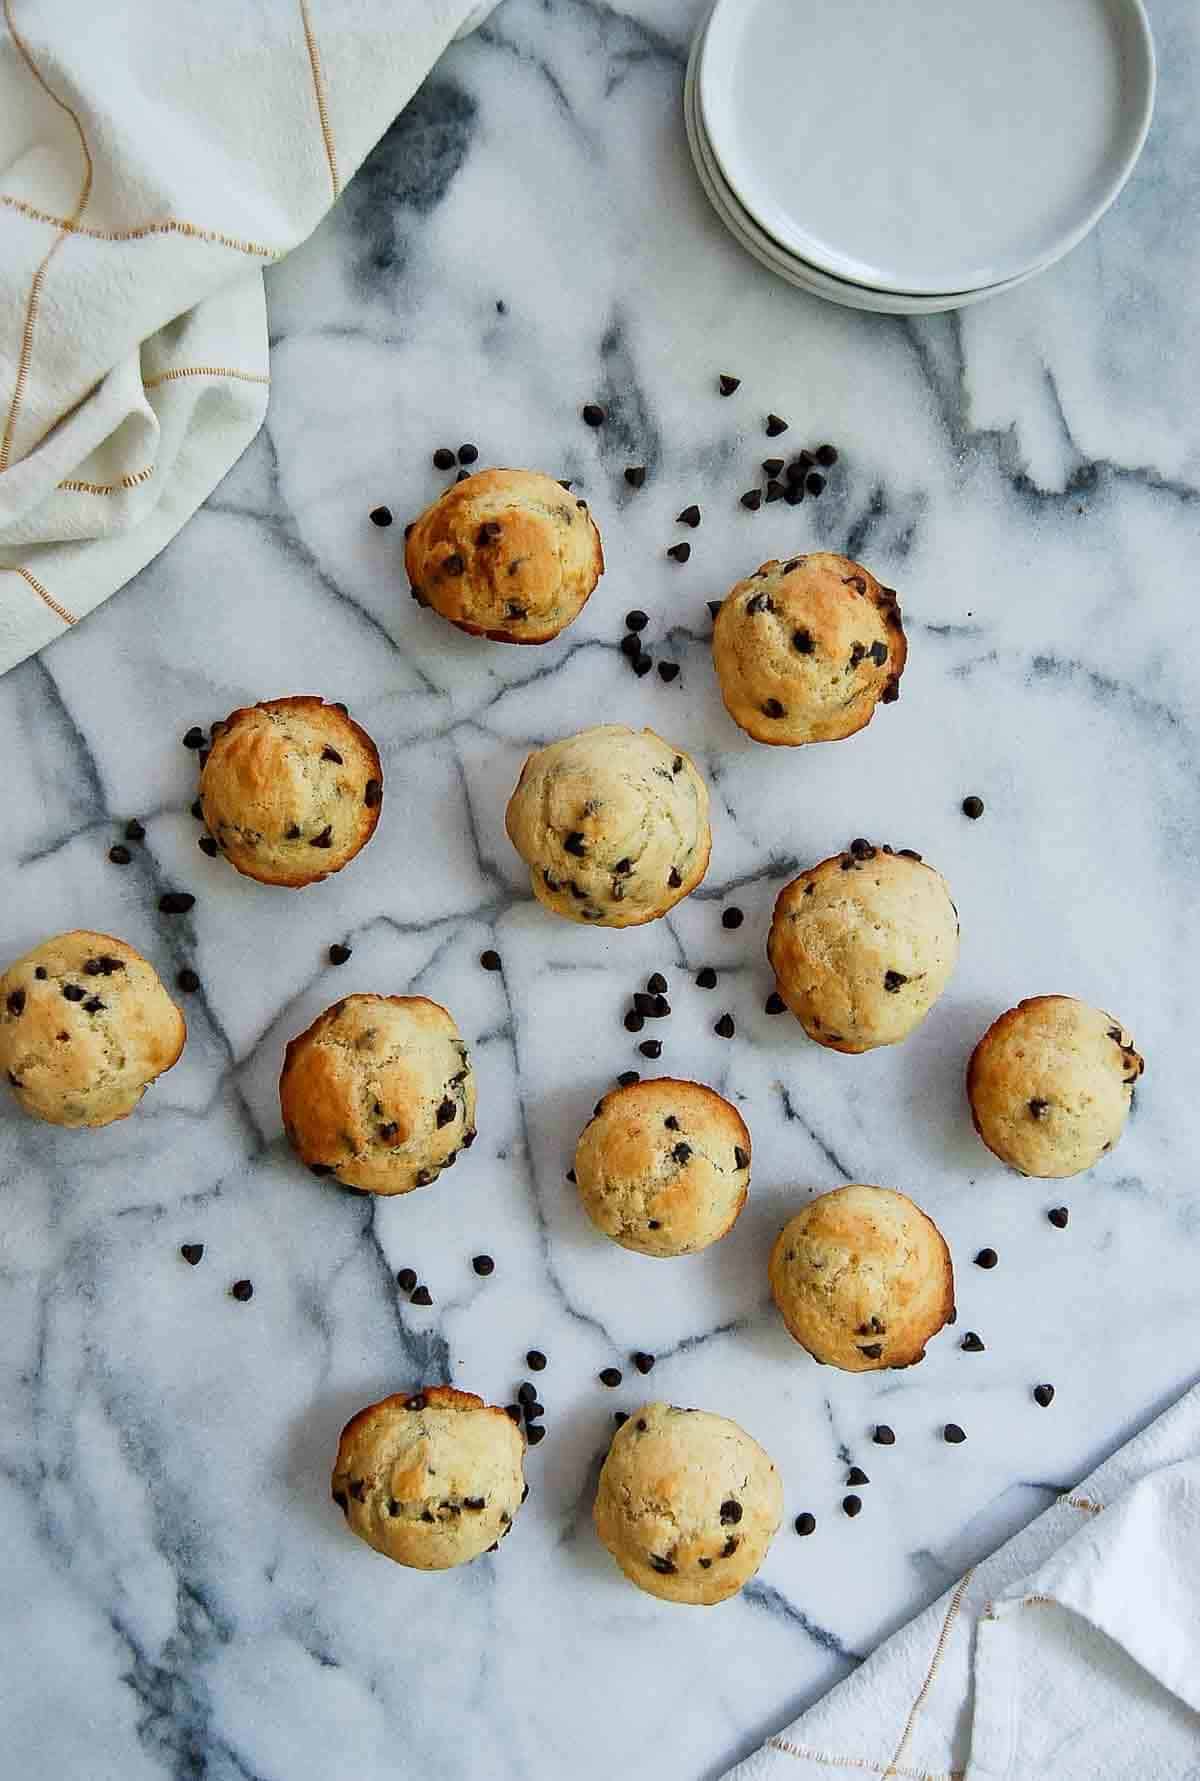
[(85, 1027), (863, 1279), (663, 1166), (431, 1479), (806, 648), (505, 554), (1051, 1084), (862, 945), (291, 790), (379, 1093)]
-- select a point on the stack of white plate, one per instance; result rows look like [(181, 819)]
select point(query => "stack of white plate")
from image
[(910, 156)]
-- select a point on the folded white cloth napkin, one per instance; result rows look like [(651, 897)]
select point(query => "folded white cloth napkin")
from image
[(154, 157), (1072, 1654)]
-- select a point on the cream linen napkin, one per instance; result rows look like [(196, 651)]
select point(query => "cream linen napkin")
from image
[(1072, 1654), (154, 157)]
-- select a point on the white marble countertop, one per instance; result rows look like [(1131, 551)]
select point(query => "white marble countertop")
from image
[(181, 1598)]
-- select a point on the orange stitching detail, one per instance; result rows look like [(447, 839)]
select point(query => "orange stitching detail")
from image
[(150, 383), (1083, 1503), (169, 226), (951, 1614), (74, 487), (68, 618), (35, 289), (828, 1760), (318, 79)]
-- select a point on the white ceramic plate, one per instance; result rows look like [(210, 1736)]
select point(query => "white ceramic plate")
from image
[(769, 254), (926, 146)]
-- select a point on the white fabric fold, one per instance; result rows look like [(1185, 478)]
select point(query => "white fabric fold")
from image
[(153, 159)]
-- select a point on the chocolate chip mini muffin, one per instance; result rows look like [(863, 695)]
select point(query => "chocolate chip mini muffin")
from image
[(805, 649), (507, 554), (85, 1028), (687, 1504), (1050, 1085), (379, 1093), (663, 1167), (863, 1279), (432, 1479), (863, 945), (291, 790), (613, 825)]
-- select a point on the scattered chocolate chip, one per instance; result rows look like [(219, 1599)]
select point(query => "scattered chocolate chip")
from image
[(513, 1412), (194, 738), (727, 384), (207, 845), (724, 1028), (191, 1252), (794, 494), (651, 1048), (856, 1475), (634, 1022), (1059, 1217), (732, 917), (242, 1290), (16, 1001), (630, 646), (953, 1434), (642, 1361), (775, 1003), (338, 954), (380, 516), (134, 830), (642, 665), (987, 1258), (775, 426), (689, 517), (805, 1524), (635, 475), (422, 1296), (826, 456), (802, 642), (593, 414), (884, 1436), (176, 902), (972, 807), (1043, 1395), (535, 1434), (752, 500), (668, 671), (120, 856), (714, 607), (706, 978), (680, 553), (852, 1505), (775, 490), (610, 1376), (468, 454), (627, 1078), (814, 483), (443, 458), (971, 1343)]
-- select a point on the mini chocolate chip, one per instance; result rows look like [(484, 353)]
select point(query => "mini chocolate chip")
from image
[(16, 1001), (388, 1132), (893, 981), (706, 978), (610, 1376), (773, 708), (724, 1028), (468, 454), (570, 1174), (1058, 1216), (884, 1436), (971, 1343), (207, 845), (191, 1252), (73, 993), (535, 1360), (534, 1410), (732, 917), (826, 455), (338, 954), (775, 490), (651, 1048), (324, 839), (752, 500), (406, 1279), (852, 1505), (714, 607), (668, 671), (805, 1524), (775, 1003), (643, 665), (627, 1078), (630, 646), (775, 426), (772, 466), (642, 1361), (634, 1021), (331, 754), (513, 1412), (741, 1157), (802, 642), (731, 1512), (380, 516), (814, 483), (674, 878), (620, 1417), (878, 653), (535, 1434), (654, 1224), (134, 830), (443, 458), (635, 475), (293, 833), (1037, 1108), (474, 1503), (871, 1350), (445, 1113), (243, 1290), (972, 807), (727, 384), (576, 844), (689, 517), (1043, 1395), (794, 494), (176, 902), (663, 1566), (682, 1153), (953, 1434), (987, 1258), (194, 738), (422, 1296), (120, 856), (856, 1475), (93, 1005), (677, 764), (372, 794), (593, 414), (680, 553)]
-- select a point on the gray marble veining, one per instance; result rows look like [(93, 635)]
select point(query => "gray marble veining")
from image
[(180, 1598)]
